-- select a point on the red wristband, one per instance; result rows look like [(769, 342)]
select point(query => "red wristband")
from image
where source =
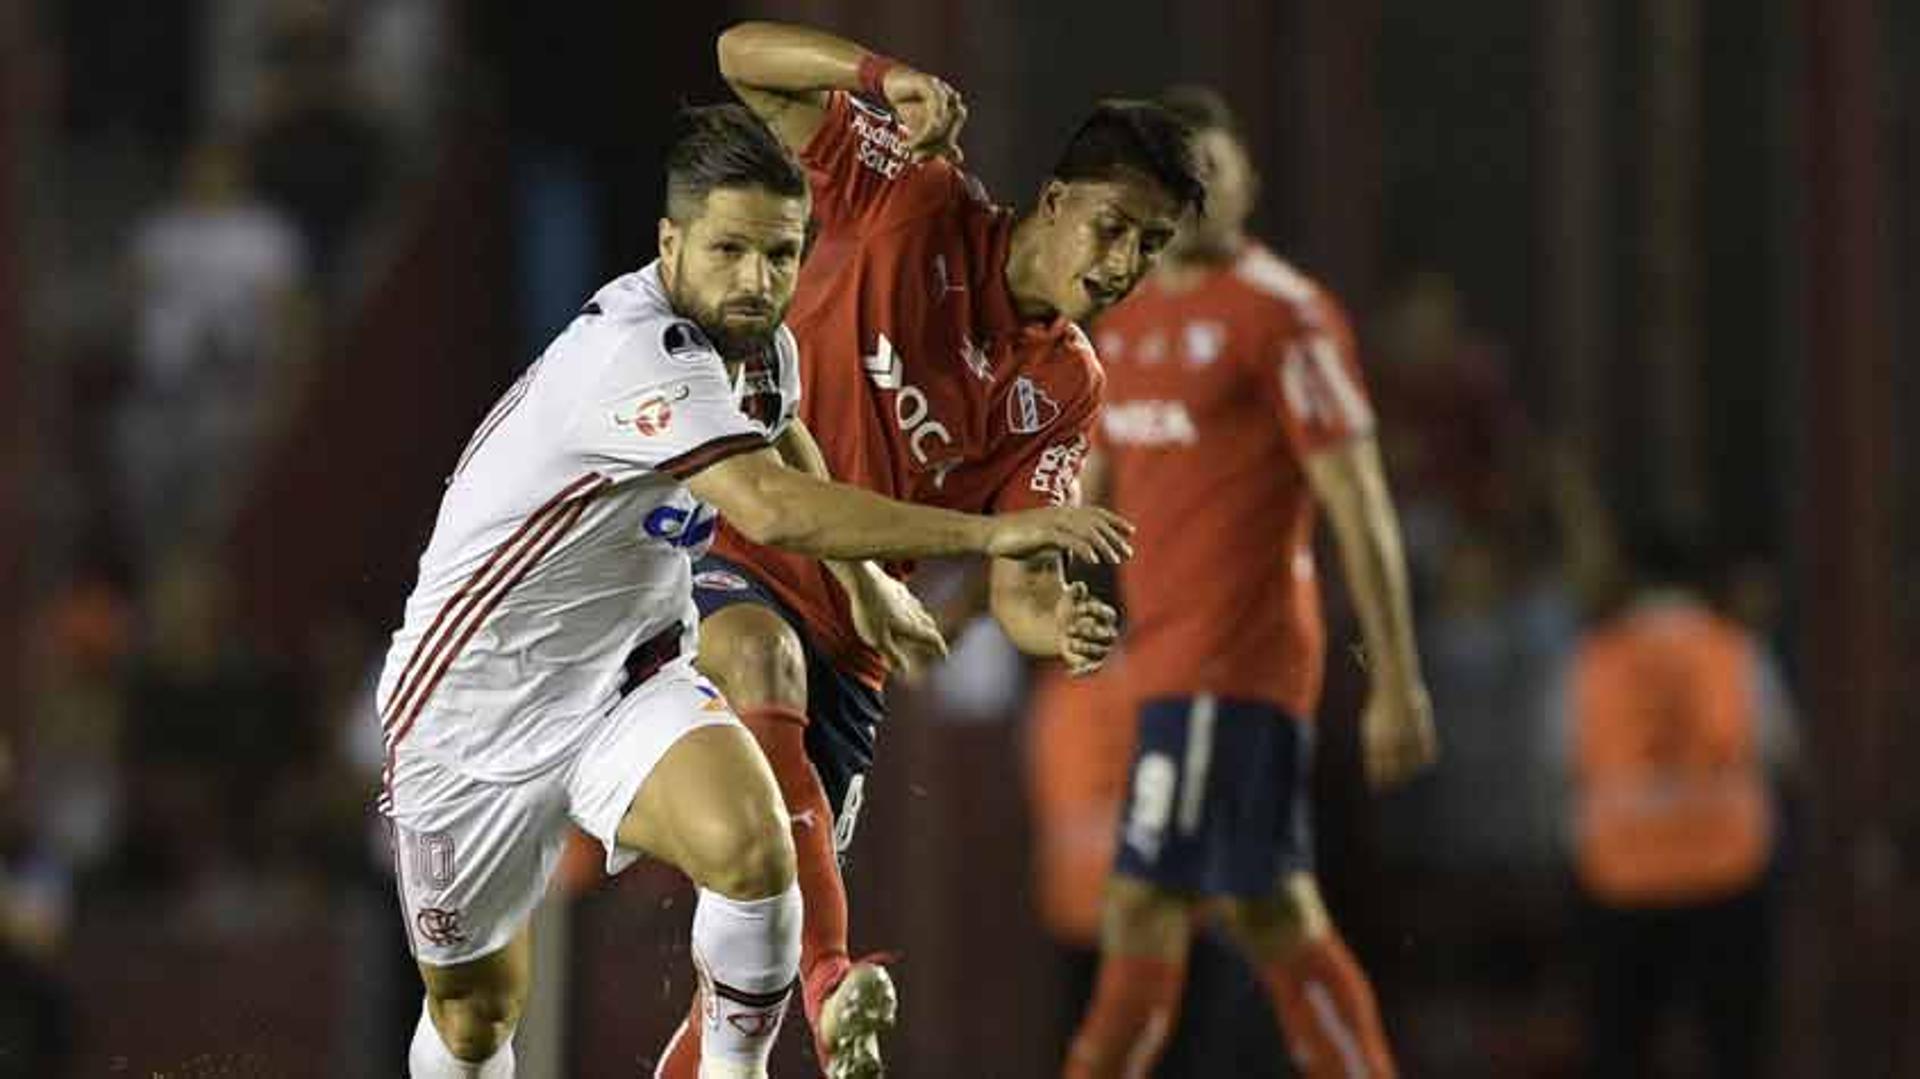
[(873, 74)]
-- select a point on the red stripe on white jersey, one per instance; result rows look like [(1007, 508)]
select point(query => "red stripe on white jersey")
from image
[(542, 540), (469, 593)]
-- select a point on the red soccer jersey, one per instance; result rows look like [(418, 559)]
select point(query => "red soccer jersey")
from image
[(922, 381), (1216, 396)]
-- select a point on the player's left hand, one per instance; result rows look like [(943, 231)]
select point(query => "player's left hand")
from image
[(1088, 629), (932, 110), (892, 620), (1396, 734)]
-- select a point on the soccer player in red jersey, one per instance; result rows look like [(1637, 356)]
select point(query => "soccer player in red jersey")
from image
[(942, 365), (1234, 407)]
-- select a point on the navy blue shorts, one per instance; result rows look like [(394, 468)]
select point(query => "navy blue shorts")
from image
[(843, 713), (1218, 803)]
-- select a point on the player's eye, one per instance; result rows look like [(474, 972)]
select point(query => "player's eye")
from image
[(732, 249)]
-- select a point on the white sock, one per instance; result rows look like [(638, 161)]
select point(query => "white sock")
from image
[(748, 955), (429, 1058)]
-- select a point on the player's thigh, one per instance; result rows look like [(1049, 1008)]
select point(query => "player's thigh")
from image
[(1271, 926), (472, 860), (755, 655), (678, 777)]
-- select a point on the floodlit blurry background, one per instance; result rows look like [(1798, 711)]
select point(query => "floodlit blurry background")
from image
[(1623, 268)]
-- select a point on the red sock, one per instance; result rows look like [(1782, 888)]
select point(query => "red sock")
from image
[(782, 734), (1135, 1003), (1328, 1014)]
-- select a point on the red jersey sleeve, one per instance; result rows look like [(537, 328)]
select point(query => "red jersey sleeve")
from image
[(860, 171), (1317, 388), (1052, 427)]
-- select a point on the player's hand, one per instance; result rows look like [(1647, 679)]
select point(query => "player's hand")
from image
[(891, 619), (1396, 734), (932, 110), (1088, 533), (1088, 629)]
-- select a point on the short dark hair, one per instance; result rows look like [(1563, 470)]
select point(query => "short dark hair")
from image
[(724, 146), (1200, 108), (1137, 135)]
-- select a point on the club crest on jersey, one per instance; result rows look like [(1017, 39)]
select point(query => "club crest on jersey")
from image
[(684, 341), (1029, 409), (1205, 340)]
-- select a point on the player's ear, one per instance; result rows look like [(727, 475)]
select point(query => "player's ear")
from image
[(669, 240), (1051, 197)]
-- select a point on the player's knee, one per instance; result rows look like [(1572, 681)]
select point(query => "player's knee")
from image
[(1272, 926), (475, 1024), (755, 656), (1141, 916), (747, 859)]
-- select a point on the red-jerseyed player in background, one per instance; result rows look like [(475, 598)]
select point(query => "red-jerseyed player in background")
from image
[(941, 365), (1234, 405)]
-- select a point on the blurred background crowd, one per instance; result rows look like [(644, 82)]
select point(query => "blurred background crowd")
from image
[(1620, 270)]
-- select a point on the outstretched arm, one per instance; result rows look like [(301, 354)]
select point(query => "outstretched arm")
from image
[(784, 73), (777, 506)]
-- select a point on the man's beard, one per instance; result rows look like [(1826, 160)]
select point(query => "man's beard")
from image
[(733, 344)]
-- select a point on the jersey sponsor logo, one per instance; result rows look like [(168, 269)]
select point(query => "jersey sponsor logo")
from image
[(681, 528), (1149, 423), (882, 148), (720, 580), (1029, 409), (684, 341), (911, 409), (1059, 469)]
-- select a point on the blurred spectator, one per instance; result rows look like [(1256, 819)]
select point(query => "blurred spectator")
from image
[(1449, 420), (317, 153), (215, 731), (36, 1006), (220, 326), (1675, 723)]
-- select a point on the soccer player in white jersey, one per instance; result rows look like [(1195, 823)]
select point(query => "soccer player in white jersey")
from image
[(544, 670)]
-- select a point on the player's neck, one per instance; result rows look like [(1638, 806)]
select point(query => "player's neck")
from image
[(1024, 279)]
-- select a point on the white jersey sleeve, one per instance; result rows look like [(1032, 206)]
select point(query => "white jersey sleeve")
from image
[(661, 404)]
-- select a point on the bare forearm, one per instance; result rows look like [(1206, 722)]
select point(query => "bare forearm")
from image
[(798, 449), (835, 521), (788, 59), (1367, 533)]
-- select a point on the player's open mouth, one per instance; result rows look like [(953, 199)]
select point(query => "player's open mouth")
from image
[(1102, 294)]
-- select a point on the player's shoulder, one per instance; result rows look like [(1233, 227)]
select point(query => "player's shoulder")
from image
[(632, 318), (1280, 289), (1067, 367)]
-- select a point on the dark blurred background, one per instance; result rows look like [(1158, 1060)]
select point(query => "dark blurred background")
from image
[(263, 263)]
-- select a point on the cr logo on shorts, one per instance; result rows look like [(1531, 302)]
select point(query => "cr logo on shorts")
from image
[(439, 925)]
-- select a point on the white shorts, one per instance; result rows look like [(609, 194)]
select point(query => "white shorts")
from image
[(474, 857)]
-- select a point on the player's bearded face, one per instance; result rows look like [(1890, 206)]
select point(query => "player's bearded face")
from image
[(731, 268), (1103, 237)]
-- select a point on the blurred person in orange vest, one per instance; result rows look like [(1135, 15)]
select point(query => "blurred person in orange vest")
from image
[(1674, 722)]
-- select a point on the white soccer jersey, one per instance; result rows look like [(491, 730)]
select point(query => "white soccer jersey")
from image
[(566, 536)]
